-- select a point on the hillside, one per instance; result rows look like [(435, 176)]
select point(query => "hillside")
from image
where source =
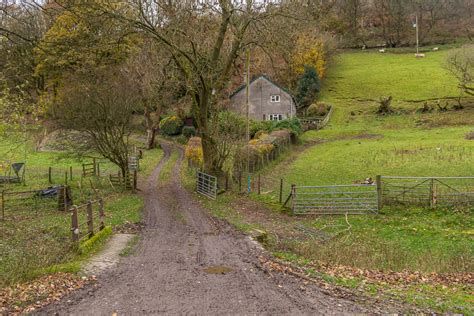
[(360, 143)]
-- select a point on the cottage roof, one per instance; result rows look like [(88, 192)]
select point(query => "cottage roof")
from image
[(256, 78)]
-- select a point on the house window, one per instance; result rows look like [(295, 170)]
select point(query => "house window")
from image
[(275, 117), (275, 98)]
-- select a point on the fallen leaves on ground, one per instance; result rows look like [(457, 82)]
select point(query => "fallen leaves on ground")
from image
[(377, 276), (29, 296)]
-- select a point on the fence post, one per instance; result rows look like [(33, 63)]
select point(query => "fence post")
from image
[(227, 181), (378, 181), (95, 166), (101, 214), (65, 178), (240, 181), (49, 175), (3, 205), (74, 224), (70, 173), (258, 185), (61, 198), (134, 180), (293, 195), (432, 193), (281, 190), (249, 183), (90, 220), (98, 169)]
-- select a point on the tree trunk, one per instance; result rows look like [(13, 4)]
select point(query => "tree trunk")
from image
[(201, 113), (150, 128), (150, 141)]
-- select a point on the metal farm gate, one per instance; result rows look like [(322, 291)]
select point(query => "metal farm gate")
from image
[(428, 191), (206, 185), (334, 199)]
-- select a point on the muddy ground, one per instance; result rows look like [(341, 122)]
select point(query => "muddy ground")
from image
[(190, 263)]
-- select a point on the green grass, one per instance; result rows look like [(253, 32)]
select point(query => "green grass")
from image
[(167, 170), (432, 152), (415, 240), (40, 241), (130, 248), (370, 75), (150, 160)]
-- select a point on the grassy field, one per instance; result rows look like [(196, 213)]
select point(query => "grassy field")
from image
[(35, 236), (369, 75)]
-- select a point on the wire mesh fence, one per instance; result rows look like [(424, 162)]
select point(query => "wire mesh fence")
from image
[(428, 191), (386, 191), (42, 189)]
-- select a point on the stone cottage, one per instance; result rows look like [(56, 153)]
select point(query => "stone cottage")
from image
[(267, 101)]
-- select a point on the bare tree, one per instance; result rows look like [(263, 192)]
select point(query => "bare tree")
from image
[(153, 77), (100, 105)]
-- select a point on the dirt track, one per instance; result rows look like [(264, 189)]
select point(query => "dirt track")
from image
[(167, 273)]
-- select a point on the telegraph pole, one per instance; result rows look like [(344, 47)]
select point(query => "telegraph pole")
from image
[(247, 101), (417, 41)]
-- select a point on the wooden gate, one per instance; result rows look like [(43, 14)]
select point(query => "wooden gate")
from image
[(206, 185), (334, 199)]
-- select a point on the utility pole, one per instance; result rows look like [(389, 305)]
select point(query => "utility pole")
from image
[(247, 100), (417, 41)]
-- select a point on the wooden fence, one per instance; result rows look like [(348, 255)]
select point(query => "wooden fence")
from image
[(129, 182), (83, 217), (32, 201)]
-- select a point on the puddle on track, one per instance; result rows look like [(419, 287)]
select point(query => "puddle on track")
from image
[(218, 270)]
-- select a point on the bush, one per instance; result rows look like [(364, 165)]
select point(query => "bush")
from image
[(261, 135), (188, 131), (260, 126), (281, 137), (194, 151), (317, 109), (385, 106), (308, 86), (266, 127), (292, 124), (171, 125), (182, 139)]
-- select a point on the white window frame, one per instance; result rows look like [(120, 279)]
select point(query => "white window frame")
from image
[(275, 117), (275, 98)]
